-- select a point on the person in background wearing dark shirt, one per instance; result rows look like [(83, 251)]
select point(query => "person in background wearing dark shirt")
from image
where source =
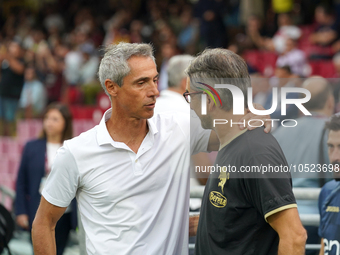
[(11, 83), (242, 213), (326, 30), (329, 198)]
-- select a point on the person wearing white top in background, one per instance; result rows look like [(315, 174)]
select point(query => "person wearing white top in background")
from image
[(33, 97), (294, 58), (171, 100), (37, 159)]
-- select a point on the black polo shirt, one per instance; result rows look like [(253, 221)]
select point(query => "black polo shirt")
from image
[(235, 205)]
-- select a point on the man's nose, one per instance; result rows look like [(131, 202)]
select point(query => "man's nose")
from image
[(153, 92)]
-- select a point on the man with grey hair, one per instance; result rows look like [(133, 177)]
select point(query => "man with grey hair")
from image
[(129, 173), (242, 212), (171, 99)]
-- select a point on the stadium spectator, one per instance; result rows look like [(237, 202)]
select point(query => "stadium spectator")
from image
[(136, 35), (55, 82), (11, 83), (212, 30), (189, 34), (36, 163), (284, 79), (168, 50), (90, 63), (33, 97), (329, 196), (53, 19), (250, 8), (294, 58), (254, 34), (88, 74), (115, 31), (307, 144), (326, 31), (81, 65), (287, 30), (261, 209)]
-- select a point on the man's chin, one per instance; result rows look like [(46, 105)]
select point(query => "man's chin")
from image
[(149, 115), (205, 126)]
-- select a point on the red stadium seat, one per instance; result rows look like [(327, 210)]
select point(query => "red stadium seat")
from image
[(263, 61), (323, 68), (254, 58)]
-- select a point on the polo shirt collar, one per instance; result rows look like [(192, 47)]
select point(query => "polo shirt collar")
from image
[(103, 135)]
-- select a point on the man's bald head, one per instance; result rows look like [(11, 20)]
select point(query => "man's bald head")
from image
[(320, 91)]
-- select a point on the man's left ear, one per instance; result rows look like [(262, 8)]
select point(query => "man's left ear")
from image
[(210, 103), (111, 87)]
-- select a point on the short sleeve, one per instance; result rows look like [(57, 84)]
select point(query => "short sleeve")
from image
[(199, 137), (63, 181), (269, 195)]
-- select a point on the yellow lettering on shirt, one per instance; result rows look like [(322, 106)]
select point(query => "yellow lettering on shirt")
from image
[(333, 209)]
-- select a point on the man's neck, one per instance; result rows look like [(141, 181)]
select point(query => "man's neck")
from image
[(130, 131), (226, 132)]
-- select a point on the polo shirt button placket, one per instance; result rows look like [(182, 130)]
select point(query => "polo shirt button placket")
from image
[(137, 167)]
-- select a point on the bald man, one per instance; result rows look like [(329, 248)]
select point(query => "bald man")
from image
[(307, 144)]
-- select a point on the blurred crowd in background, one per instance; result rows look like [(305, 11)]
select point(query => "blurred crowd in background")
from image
[(50, 50)]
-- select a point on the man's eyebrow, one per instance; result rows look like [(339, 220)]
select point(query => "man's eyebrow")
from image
[(145, 78)]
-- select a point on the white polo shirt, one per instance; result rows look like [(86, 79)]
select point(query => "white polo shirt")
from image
[(129, 203)]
